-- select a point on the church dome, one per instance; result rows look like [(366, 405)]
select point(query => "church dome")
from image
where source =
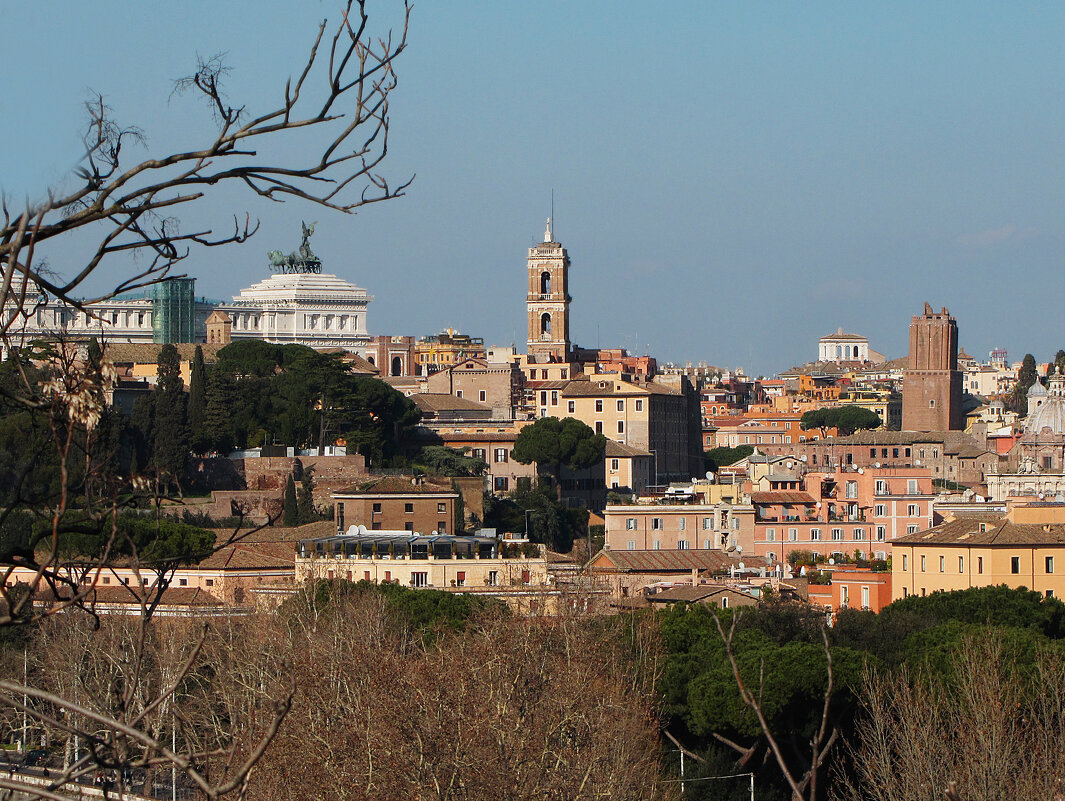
[(1050, 414)]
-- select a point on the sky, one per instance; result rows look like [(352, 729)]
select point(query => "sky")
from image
[(732, 180)]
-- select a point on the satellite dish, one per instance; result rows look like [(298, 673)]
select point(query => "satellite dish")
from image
[(710, 475), (917, 462), (741, 565), (878, 465), (832, 561), (861, 470), (802, 458)]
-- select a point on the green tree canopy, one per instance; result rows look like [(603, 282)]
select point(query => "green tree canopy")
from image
[(1026, 378), (444, 461), (553, 443), (846, 419), (723, 455)]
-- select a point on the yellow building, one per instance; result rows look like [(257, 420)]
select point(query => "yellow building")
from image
[(446, 349), (1023, 548)]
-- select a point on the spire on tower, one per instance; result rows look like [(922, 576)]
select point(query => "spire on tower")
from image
[(547, 233)]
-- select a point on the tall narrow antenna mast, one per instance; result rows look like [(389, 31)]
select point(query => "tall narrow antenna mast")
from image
[(552, 208)]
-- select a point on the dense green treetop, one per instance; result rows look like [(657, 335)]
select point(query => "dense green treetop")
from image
[(846, 419), (554, 442)]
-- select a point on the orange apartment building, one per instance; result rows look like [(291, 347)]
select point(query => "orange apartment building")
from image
[(844, 512), (855, 588), (766, 427)]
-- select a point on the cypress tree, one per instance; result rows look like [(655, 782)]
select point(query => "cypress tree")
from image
[(170, 439), (292, 515), (197, 402), (305, 497), (1026, 378), (218, 430)]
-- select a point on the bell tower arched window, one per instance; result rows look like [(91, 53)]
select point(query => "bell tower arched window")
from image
[(397, 365), (545, 283), (545, 324)]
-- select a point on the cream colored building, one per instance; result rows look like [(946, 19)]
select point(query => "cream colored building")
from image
[(418, 561), (1023, 548), (644, 415)]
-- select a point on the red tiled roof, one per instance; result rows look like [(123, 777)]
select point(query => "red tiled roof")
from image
[(782, 496), (663, 561)]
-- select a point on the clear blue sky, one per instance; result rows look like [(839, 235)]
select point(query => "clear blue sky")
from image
[(732, 179)]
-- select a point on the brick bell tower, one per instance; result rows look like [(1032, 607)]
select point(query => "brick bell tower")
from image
[(932, 383), (548, 301)]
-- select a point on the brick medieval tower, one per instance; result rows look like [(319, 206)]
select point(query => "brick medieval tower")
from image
[(932, 384), (548, 301)]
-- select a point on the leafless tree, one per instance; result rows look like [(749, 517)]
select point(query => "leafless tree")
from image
[(128, 210), (803, 785), (986, 730), (339, 98)]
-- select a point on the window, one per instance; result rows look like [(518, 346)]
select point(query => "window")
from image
[(478, 453), (571, 407), (183, 582), (706, 545), (501, 455), (656, 524), (815, 534), (913, 510), (1049, 593), (1050, 564), (879, 510), (837, 533), (683, 545), (682, 524), (502, 483), (631, 545), (911, 486), (881, 487), (639, 405), (615, 464), (708, 523), (793, 534), (844, 595), (441, 526), (881, 533), (852, 489), (621, 426), (923, 564), (482, 395), (621, 405), (858, 533), (408, 508), (599, 406), (630, 523), (598, 426), (942, 564), (931, 403), (904, 560), (419, 579), (460, 578), (554, 397), (441, 507), (525, 576), (1015, 564), (961, 564), (911, 529), (408, 526), (377, 507), (208, 582), (657, 545), (543, 398), (979, 564), (458, 393), (770, 534)]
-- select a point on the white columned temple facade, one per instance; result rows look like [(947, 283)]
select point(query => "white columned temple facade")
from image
[(316, 309)]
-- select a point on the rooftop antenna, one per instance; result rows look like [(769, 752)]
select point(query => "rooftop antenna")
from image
[(552, 206)]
